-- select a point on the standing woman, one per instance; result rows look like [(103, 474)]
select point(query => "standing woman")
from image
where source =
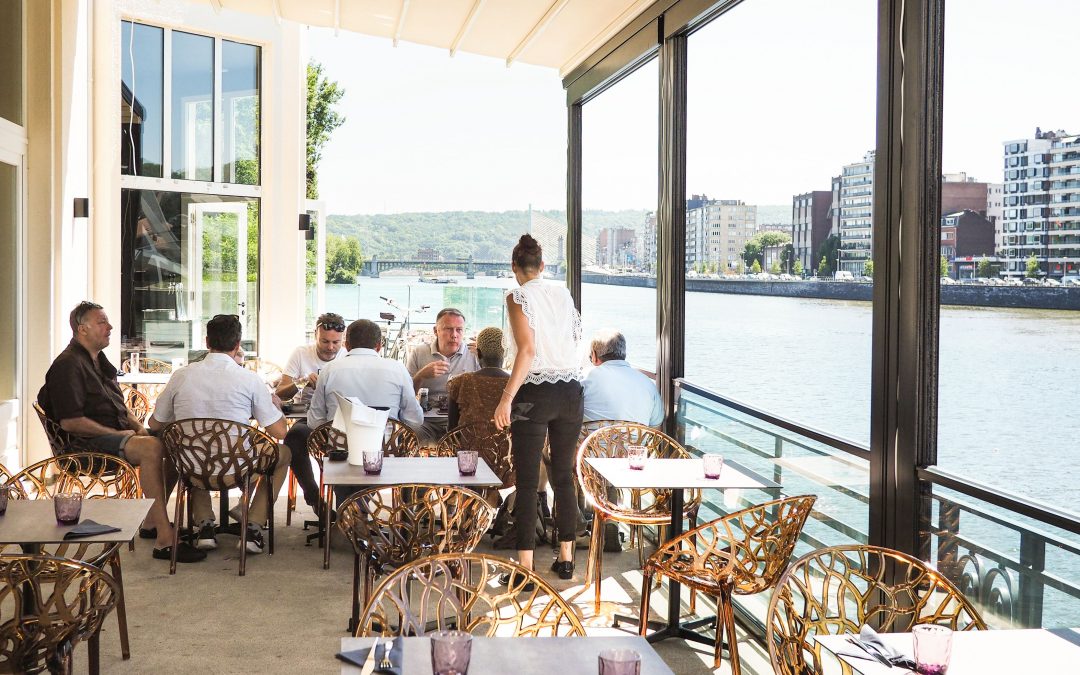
[(543, 399)]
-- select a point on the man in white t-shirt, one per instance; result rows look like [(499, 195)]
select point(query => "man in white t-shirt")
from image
[(305, 364)]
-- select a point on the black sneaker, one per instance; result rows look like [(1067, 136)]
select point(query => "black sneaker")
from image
[(206, 539), (564, 568), (185, 553), (254, 540), (518, 583)]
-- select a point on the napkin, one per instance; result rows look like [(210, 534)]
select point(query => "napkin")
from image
[(89, 528), (868, 636), (358, 656)]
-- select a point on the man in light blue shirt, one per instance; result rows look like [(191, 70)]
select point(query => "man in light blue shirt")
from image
[(615, 390), (365, 374)]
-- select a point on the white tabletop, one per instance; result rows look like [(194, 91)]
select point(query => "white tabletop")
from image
[(143, 378), (520, 655), (978, 652), (675, 474), (404, 470), (33, 521)]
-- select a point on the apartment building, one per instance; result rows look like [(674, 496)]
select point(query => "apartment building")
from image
[(1026, 219), (1063, 231), (617, 247), (717, 231), (811, 224)]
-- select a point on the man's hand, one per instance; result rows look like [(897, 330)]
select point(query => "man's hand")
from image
[(312, 379), (276, 401), (126, 432), (433, 369), (472, 346)]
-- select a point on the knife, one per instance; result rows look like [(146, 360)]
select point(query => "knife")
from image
[(369, 662), (866, 648)]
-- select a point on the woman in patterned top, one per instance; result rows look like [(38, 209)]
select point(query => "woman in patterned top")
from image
[(474, 396)]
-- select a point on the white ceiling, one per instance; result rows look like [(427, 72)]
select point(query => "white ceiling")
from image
[(553, 33)]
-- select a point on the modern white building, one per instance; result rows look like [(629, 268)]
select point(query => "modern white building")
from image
[(855, 210), (719, 230), (1026, 196), (1064, 222)]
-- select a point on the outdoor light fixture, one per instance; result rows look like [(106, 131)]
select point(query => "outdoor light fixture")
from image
[(82, 207), (309, 235), (305, 222)]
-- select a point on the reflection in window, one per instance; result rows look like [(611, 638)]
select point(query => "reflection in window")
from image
[(240, 110), (620, 132), (9, 298), (186, 257), (141, 87), (11, 55), (192, 106)]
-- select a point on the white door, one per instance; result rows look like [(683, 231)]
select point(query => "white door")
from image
[(217, 271)]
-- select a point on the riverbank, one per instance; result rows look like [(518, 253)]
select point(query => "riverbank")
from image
[(973, 295)]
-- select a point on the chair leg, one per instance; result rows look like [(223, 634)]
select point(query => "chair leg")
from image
[(121, 607), (291, 504), (646, 591), (270, 512), (93, 646), (243, 524), (727, 610), (598, 564), (181, 493), (354, 618)]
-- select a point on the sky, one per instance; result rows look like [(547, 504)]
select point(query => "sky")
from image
[(781, 96)]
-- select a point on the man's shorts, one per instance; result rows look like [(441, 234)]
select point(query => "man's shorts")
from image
[(109, 444)]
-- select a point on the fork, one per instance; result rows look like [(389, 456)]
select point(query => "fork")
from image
[(385, 664)]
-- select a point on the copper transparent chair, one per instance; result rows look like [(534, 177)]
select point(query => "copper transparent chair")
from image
[(462, 591), (149, 365), (492, 445), (269, 371), (633, 507), (47, 605), (741, 553), (839, 589), (390, 527), (137, 402), (60, 441), (97, 476), (219, 455)]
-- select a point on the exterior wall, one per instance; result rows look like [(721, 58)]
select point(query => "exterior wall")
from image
[(995, 210), (856, 214), (963, 196), (1064, 223), (811, 224), (1026, 199)]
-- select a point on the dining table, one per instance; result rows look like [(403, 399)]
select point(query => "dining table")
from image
[(31, 523), (677, 474)]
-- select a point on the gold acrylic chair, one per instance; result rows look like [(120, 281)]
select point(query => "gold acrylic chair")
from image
[(60, 441), (96, 476), (839, 589), (47, 605), (635, 507), (491, 444), (218, 455), (149, 365), (462, 591), (741, 553), (390, 527), (137, 402)]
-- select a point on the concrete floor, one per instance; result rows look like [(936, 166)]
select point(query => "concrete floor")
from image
[(287, 615)]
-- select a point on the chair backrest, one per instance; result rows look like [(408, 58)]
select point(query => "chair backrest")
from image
[(60, 441), (325, 439), (137, 402), (269, 371), (215, 454), (398, 440), (393, 526), (15, 489), (70, 600), (492, 444), (148, 365), (462, 591), (96, 475), (612, 441), (838, 589)]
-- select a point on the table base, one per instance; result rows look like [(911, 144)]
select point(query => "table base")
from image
[(682, 631)]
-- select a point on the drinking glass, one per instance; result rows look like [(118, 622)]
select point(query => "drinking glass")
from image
[(133, 363), (299, 384), (933, 647), (714, 464), (67, 507), (5, 494), (620, 662), (636, 454), (373, 461), (466, 462), (450, 652)]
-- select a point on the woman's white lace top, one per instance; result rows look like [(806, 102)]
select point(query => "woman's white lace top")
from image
[(556, 327)]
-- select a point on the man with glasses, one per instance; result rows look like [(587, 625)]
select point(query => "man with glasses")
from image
[(304, 366), (431, 365)]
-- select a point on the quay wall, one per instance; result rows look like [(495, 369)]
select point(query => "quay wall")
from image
[(975, 295)]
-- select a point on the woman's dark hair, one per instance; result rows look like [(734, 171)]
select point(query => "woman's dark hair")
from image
[(527, 254)]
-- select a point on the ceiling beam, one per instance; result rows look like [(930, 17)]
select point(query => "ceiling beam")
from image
[(217, 5), (549, 16), (616, 25), (466, 27), (277, 10), (401, 21), (337, 17)]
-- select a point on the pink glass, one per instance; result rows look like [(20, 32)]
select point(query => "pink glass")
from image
[(636, 455), (714, 464), (620, 662), (466, 462), (933, 647), (67, 508), (373, 461), (451, 651)]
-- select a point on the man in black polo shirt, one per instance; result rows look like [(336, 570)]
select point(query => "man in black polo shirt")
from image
[(82, 395)]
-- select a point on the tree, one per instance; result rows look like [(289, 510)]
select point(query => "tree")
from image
[(823, 267), (1032, 267), (868, 269), (775, 267), (944, 266), (756, 246), (797, 268), (322, 119), (740, 266), (343, 259), (827, 253), (984, 269), (755, 268)]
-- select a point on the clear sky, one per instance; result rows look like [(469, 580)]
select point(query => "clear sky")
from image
[(781, 96)]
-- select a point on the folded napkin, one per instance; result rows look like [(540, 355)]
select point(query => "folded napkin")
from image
[(869, 637), (358, 656), (89, 528)]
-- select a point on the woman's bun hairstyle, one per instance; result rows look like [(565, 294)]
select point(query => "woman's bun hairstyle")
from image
[(527, 254)]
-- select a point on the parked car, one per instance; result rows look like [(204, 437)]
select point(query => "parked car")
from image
[(1071, 280), (844, 275)]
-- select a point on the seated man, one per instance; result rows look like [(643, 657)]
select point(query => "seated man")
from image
[(218, 386), (82, 395), (305, 363), (431, 365), (615, 390)]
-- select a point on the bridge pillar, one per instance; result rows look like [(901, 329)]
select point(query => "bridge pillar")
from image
[(374, 267), (470, 270)]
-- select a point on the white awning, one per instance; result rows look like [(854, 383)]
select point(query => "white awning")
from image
[(553, 33)]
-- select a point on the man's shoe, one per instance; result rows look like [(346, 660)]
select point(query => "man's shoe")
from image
[(185, 553), (147, 533), (564, 568), (254, 540), (206, 539), (518, 582)]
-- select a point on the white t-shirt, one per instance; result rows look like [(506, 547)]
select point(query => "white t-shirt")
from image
[(305, 360)]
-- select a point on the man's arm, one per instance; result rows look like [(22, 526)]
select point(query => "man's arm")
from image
[(278, 429), (316, 413), (84, 426), (409, 409), (285, 388), (135, 425)]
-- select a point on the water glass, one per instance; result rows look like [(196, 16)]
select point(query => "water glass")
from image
[(933, 647), (714, 464), (133, 363), (636, 455), (373, 461), (466, 462), (67, 508), (5, 494), (450, 652), (620, 662)]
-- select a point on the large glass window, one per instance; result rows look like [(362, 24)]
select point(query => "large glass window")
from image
[(142, 91), (11, 55), (192, 106), (240, 110), (780, 139), (620, 131)]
